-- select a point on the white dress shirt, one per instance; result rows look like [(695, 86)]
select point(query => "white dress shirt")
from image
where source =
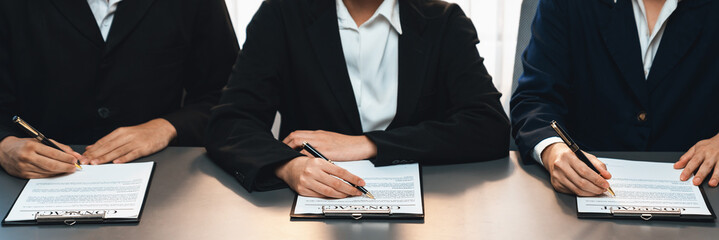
[(648, 41), (372, 55), (104, 11)]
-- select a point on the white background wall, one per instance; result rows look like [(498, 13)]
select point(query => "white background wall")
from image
[(496, 22)]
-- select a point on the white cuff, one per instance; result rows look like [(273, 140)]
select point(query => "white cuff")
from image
[(539, 148)]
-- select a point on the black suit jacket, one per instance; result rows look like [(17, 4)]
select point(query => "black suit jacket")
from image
[(448, 109), (59, 75), (583, 68)]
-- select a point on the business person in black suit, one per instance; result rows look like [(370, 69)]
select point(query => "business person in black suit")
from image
[(127, 77), (621, 75), (390, 81)]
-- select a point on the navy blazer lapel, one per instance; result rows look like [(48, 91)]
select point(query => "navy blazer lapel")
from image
[(327, 44), (412, 60), (128, 15), (621, 37), (682, 30), (79, 14)]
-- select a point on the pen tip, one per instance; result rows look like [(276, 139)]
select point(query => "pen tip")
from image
[(370, 195)]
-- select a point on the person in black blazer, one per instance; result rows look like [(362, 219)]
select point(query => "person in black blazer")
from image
[(447, 109), (144, 82), (586, 69)]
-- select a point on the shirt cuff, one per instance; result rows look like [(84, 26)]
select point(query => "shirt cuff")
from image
[(539, 148)]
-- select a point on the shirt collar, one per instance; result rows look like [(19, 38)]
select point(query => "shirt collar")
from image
[(669, 7), (389, 10)]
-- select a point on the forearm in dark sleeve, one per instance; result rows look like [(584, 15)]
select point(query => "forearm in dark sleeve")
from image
[(539, 96), (239, 137), (475, 127), (213, 53), (7, 86), (477, 134)]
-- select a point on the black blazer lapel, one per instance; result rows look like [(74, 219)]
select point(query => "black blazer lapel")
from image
[(621, 37), (412, 60), (327, 44), (682, 30), (78, 13), (610, 2), (128, 15)]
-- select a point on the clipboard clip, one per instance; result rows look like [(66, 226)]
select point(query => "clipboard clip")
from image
[(646, 213), (71, 218), (356, 212)]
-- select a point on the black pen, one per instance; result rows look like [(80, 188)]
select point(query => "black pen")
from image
[(575, 148), (34, 133), (317, 154)]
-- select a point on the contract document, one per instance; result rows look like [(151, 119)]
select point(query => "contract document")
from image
[(646, 187), (397, 190), (106, 192)]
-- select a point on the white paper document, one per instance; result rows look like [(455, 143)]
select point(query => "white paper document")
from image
[(395, 187), (646, 185), (116, 190)]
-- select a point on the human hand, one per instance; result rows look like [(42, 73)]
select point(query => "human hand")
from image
[(335, 146), (315, 177), (571, 175), (126, 144), (702, 156), (28, 158)]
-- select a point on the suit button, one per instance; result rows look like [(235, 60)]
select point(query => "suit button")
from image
[(642, 117), (240, 177), (103, 112)]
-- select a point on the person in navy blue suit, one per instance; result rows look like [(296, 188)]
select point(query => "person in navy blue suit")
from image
[(620, 75)]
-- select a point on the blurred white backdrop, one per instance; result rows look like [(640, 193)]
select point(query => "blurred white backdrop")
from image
[(496, 21)]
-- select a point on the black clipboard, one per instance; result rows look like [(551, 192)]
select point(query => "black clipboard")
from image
[(653, 213), (80, 217), (362, 212)]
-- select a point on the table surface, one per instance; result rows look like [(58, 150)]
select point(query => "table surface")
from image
[(191, 198)]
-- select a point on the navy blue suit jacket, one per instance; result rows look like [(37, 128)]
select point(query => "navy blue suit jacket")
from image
[(583, 68)]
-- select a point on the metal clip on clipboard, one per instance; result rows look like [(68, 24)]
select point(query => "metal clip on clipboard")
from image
[(356, 212), (647, 213), (71, 217)]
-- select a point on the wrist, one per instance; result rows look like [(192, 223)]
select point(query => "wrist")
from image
[(7, 140), (167, 128), (369, 148), (547, 155), (282, 171), (5, 149)]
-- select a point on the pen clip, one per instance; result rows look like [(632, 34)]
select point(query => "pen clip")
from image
[(563, 135), (29, 129), (314, 152)]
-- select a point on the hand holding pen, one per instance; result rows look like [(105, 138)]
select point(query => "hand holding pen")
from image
[(315, 177), (571, 169), (33, 158), (317, 154)]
